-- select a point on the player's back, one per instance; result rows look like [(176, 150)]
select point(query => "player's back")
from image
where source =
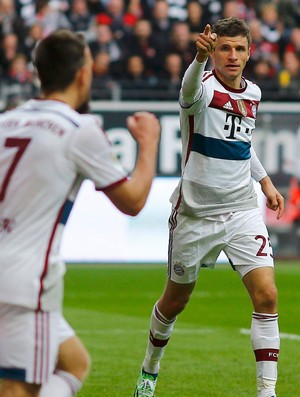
[(36, 179)]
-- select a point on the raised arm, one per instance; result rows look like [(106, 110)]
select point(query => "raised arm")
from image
[(205, 44), (191, 84), (130, 196)]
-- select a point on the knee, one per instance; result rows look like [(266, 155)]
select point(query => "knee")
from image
[(172, 307), (74, 358), (265, 300), (175, 298), (181, 302)]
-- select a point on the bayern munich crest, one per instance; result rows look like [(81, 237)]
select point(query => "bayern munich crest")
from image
[(178, 269)]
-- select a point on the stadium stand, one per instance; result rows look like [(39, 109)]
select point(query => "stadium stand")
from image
[(142, 47)]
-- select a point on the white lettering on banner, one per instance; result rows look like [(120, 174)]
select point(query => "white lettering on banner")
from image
[(124, 146), (170, 145), (275, 145), (275, 149)]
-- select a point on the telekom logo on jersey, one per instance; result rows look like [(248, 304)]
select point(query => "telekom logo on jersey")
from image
[(170, 148)]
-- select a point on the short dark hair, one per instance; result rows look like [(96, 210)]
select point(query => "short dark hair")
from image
[(57, 59), (232, 27)]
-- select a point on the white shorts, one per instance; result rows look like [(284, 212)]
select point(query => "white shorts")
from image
[(197, 242), (29, 342)]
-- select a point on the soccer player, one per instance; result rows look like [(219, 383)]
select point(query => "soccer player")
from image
[(47, 149), (214, 206)]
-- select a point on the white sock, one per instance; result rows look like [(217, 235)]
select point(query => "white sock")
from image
[(160, 332), (266, 342), (61, 384)]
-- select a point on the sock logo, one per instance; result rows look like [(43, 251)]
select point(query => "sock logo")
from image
[(273, 354), (266, 354)]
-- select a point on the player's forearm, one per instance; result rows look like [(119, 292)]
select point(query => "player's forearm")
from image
[(143, 174), (192, 82), (131, 196)]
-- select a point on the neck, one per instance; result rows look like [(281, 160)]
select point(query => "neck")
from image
[(62, 97)]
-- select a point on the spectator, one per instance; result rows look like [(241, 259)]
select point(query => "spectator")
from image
[(34, 35), (19, 71), (177, 10), (272, 27), (26, 9), (103, 82), (10, 22), (135, 84), (142, 43), (234, 8), (18, 84), (80, 16), (250, 9), (266, 77), (161, 25), (294, 41), (261, 49), (195, 19), (289, 77), (95, 6), (170, 81), (212, 10), (116, 16), (9, 49), (105, 42), (289, 11), (181, 43), (135, 7), (50, 17)]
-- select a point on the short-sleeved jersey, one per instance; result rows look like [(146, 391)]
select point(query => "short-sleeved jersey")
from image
[(216, 136), (46, 151)]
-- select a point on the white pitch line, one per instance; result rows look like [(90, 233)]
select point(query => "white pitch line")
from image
[(283, 335), (184, 331)]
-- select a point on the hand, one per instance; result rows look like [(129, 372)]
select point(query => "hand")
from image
[(144, 127), (205, 44), (275, 201)]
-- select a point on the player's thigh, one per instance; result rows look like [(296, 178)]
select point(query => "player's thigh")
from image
[(193, 242), (28, 344), (72, 355), (249, 246), (10, 388), (259, 279)]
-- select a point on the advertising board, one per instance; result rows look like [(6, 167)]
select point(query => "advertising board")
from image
[(97, 232)]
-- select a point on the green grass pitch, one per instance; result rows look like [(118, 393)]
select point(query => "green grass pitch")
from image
[(209, 353)]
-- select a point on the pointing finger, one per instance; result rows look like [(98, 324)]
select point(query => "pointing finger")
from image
[(207, 30)]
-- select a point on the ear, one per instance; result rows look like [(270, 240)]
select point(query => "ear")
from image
[(81, 75), (248, 54)]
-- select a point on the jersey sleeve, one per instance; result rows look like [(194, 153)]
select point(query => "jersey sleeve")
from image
[(191, 88), (92, 155), (257, 170)]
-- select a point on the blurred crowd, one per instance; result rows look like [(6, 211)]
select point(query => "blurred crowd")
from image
[(141, 48)]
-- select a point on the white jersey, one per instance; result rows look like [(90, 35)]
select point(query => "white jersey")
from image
[(46, 151), (216, 135)]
